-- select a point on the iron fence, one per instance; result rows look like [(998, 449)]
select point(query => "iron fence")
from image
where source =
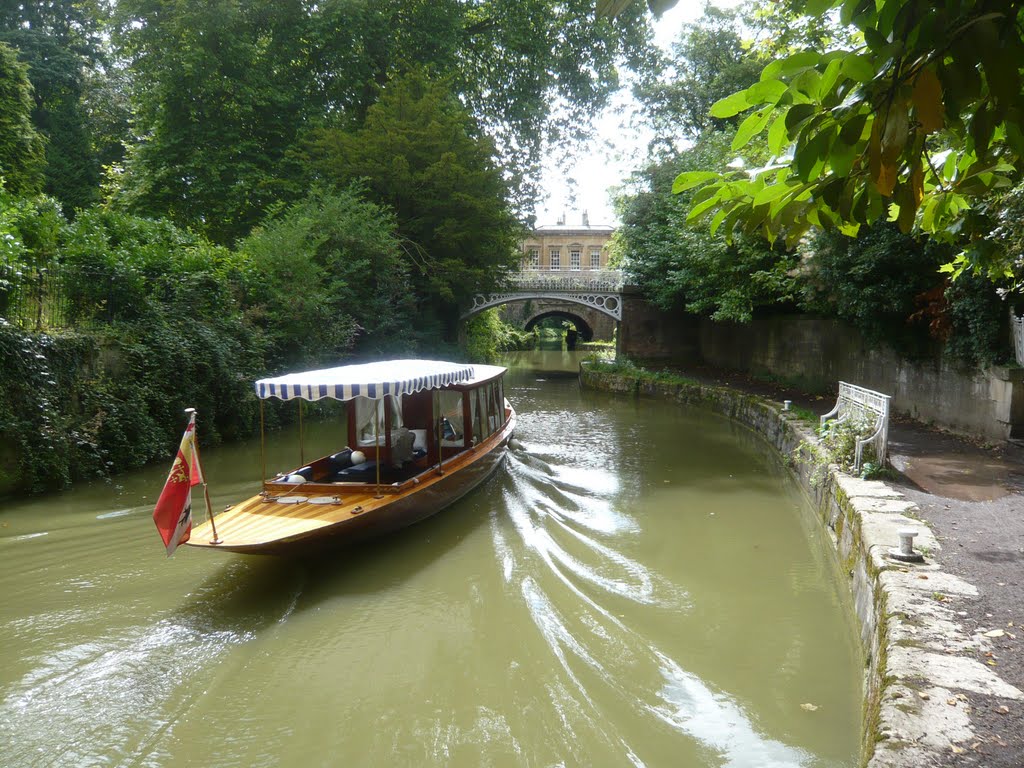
[(34, 298), (58, 296)]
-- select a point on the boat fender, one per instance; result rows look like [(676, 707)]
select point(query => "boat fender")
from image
[(296, 479)]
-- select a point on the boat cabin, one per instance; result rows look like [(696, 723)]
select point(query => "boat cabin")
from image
[(404, 419)]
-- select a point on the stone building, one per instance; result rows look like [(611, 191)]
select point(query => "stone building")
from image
[(567, 247)]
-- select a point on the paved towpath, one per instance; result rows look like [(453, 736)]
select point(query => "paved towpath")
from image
[(971, 493)]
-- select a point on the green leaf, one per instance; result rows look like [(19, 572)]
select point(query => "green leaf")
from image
[(700, 209), (811, 160), (841, 157), (798, 114), (766, 92), (818, 7), (790, 65), (771, 192), (750, 127), (828, 80), (853, 129), (807, 82), (730, 105), (852, 9), (691, 179), (718, 218), (777, 136), (875, 40), (858, 67)]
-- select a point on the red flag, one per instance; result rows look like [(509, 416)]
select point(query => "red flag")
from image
[(173, 513)]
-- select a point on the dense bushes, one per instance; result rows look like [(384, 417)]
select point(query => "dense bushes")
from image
[(325, 274), (888, 286), (487, 336), (168, 320)]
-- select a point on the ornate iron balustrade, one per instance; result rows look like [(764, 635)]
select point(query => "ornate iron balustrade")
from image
[(568, 280)]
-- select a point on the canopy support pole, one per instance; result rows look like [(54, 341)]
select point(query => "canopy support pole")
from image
[(439, 419), (302, 450), (376, 446), (263, 451)]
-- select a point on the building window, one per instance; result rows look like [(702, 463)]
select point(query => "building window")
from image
[(556, 259), (574, 259), (595, 258), (533, 258)]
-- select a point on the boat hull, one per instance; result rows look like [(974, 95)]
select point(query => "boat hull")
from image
[(257, 526)]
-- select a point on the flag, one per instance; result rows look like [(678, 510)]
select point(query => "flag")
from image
[(173, 513)]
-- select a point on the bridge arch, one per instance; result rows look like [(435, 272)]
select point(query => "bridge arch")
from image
[(584, 328)]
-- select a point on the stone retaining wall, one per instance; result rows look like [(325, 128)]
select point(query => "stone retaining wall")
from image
[(813, 353), (913, 713)]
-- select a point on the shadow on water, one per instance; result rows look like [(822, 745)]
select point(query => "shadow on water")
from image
[(253, 592)]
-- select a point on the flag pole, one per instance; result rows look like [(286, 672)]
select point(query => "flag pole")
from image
[(206, 491)]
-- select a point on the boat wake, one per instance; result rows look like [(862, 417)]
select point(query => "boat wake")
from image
[(564, 550)]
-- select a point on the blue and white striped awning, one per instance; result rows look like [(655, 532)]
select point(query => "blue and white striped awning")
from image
[(372, 380)]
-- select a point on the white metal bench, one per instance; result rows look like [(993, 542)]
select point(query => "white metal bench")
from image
[(1017, 324), (854, 399)]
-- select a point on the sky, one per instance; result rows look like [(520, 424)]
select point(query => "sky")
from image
[(618, 147)]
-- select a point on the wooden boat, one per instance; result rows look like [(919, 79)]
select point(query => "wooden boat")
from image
[(421, 434)]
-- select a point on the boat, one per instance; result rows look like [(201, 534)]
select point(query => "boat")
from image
[(420, 435)]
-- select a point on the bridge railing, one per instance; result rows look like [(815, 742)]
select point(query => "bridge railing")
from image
[(567, 280)]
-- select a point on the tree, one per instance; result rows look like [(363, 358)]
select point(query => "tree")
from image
[(681, 267), (60, 43), (710, 61), (920, 123), (223, 90), (219, 95), (21, 147), (328, 273), (421, 154)]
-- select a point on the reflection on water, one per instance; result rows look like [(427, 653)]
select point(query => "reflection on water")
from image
[(640, 585)]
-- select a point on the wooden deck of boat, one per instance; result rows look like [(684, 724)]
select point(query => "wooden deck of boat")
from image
[(256, 521)]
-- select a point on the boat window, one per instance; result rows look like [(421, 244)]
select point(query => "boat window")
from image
[(450, 405), (370, 423), (478, 427), (494, 406), (485, 411)]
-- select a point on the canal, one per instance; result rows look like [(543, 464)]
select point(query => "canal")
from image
[(640, 584)]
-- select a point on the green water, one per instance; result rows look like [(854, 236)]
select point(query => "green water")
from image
[(637, 585)]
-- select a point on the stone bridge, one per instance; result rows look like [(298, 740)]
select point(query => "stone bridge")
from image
[(591, 299)]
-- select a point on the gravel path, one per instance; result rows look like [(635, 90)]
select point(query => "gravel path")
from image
[(972, 495)]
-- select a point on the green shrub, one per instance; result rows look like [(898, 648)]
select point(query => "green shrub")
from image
[(840, 438), (327, 277)]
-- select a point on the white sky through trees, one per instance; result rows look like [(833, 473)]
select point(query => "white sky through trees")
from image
[(619, 146)]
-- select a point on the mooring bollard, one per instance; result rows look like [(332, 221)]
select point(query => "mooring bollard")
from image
[(905, 552)]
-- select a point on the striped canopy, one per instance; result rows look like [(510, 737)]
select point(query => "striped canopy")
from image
[(373, 380)]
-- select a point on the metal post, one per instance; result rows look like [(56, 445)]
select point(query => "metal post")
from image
[(439, 420), (263, 452), (302, 452), (206, 491), (376, 445)]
